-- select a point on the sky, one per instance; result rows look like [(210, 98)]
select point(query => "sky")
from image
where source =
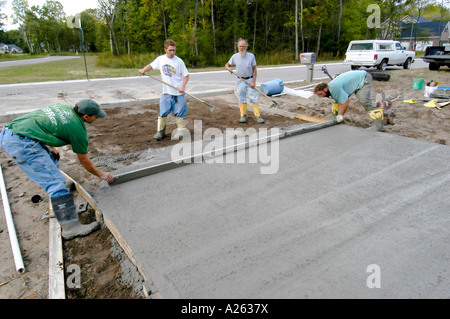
[(71, 7)]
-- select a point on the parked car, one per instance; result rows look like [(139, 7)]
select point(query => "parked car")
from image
[(378, 53), (437, 56)]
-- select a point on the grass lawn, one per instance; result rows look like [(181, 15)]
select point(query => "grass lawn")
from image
[(72, 69)]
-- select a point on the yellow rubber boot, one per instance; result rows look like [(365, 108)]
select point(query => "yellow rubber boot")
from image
[(181, 130), (161, 128), (377, 117), (257, 114), (243, 109)]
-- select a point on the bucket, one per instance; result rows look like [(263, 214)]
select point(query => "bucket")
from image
[(272, 87), (429, 90), (418, 83)]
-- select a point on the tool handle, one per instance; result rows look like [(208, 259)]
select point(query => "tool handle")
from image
[(154, 78), (256, 88)]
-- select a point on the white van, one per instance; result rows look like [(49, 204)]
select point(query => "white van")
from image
[(378, 53)]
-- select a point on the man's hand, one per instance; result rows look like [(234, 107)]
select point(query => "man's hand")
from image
[(106, 176)]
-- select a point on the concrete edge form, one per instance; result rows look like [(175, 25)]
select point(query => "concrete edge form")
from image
[(101, 218), (56, 285)]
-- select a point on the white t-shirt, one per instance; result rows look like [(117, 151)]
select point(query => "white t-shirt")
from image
[(173, 72)]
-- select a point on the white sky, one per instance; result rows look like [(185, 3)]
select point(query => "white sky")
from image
[(71, 7)]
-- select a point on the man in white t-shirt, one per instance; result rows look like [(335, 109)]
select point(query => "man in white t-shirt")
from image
[(245, 63), (174, 72)]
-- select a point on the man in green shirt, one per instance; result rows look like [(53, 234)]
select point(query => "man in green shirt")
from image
[(31, 141)]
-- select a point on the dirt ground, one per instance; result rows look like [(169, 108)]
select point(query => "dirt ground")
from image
[(117, 141)]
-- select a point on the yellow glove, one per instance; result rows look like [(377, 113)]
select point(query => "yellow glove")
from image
[(410, 101), (334, 109), (431, 104), (441, 105)]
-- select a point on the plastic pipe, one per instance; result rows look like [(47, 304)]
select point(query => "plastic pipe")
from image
[(11, 229)]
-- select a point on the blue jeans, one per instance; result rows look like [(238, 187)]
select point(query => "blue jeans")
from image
[(172, 103), (242, 89), (36, 161)]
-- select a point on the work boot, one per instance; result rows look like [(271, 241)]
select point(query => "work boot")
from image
[(181, 132), (67, 216), (161, 134), (259, 120), (377, 117), (243, 119), (378, 125), (243, 110), (256, 114)]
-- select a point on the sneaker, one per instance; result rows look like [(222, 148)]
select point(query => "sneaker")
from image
[(243, 119)]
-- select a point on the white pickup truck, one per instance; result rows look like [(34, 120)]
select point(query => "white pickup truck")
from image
[(378, 53)]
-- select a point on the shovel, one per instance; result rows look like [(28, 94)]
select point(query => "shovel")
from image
[(211, 107), (274, 103)]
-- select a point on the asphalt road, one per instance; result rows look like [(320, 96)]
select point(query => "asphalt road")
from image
[(24, 97), (35, 61)]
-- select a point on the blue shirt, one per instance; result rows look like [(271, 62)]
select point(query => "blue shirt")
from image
[(244, 65), (346, 84)]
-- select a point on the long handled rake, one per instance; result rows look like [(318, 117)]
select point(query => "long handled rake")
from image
[(274, 103), (211, 107)]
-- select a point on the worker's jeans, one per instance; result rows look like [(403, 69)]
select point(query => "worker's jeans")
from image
[(365, 92), (242, 89), (36, 160), (172, 103)]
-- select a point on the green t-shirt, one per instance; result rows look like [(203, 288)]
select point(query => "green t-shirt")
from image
[(55, 126)]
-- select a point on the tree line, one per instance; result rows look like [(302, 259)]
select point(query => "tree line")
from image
[(206, 31)]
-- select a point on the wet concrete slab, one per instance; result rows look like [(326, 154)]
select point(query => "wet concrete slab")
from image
[(348, 213)]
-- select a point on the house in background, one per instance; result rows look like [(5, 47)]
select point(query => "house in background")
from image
[(420, 35), (3, 48), (14, 48), (416, 33), (10, 48)]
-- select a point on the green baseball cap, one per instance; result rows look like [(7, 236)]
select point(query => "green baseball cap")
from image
[(90, 107)]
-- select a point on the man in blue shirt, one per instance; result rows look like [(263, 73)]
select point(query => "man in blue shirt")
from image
[(245, 63), (343, 86)]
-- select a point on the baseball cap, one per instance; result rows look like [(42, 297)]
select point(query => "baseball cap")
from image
[(90, 107)]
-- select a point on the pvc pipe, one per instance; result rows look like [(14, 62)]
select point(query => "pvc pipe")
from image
[(11, 229)]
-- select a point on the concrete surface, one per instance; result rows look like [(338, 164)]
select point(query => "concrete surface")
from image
[(350, 213)]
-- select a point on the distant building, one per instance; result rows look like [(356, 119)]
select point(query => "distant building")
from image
[(421, 35), (416, 33), (10, 48), (3, 48), (14, 48)]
